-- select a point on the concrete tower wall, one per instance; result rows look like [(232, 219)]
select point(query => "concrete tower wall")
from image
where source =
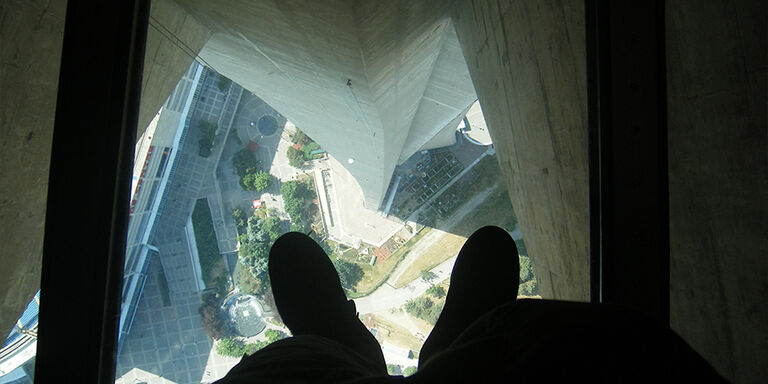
[(362, 79), (527, 60)]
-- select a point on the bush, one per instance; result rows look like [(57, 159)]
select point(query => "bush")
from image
[(409, 371), (273, 335), (272, 226), (427, 276), (213, 320), (424, 308), (436, 291), (230, 347)]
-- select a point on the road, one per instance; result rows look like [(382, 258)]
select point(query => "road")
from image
[(387, 297)]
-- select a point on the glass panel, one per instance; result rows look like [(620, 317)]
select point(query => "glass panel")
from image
[(226, 175)]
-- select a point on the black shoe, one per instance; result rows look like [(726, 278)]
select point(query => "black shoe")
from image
[(310, 299), (486, 274)]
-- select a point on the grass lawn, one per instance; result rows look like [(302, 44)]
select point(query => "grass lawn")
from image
[(375, 276), (211, 262)]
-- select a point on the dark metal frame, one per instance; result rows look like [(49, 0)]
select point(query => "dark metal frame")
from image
[(629, 198), (97, 110)]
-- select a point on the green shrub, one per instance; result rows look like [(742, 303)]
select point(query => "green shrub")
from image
[(394, 369), (436, 291), (424, 308), (230, 347), (273, 335), (256, 181)]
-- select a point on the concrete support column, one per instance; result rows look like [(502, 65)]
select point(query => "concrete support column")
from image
[(527, 62)]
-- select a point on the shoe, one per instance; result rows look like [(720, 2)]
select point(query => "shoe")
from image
[(486, 274), (310, 299)]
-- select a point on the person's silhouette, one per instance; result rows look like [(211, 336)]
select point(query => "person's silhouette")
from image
[(484, 334)]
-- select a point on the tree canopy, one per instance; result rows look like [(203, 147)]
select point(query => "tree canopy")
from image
[(294, 193), (256, 181), (295, 157)]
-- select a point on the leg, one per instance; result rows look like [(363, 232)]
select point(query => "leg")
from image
[(310, 299), (486, 274)]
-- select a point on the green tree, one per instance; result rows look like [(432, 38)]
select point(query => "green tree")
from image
[(349, 274), (256, 180), (409, 371), (436, 291), (244, 162), (427, 276), (294, 193), (291, 189), (262, 181), (255, 231), (273, 335), (295, 157), (271, 225), (230, 347), (424, 308)]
